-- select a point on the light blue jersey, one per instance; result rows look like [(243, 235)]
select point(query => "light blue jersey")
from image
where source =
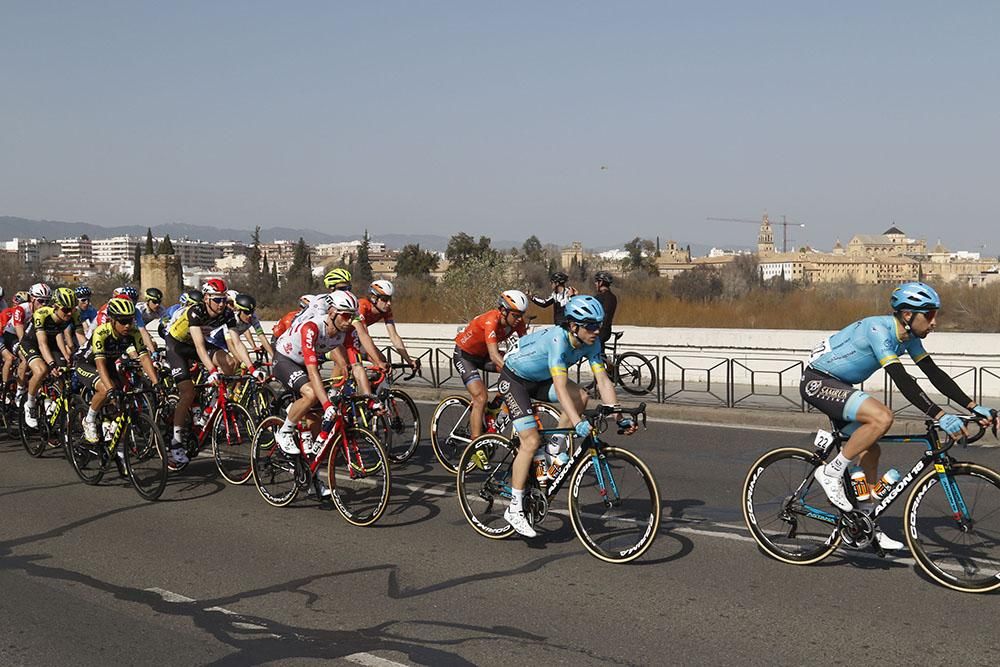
[(549, 353), (852, 354)]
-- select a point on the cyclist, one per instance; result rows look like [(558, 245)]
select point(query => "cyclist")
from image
[(478, 344), (186, 298), (609, 301), (243, 306), (43, 347), (186, 344), (335, 280), (38, 297), (8, 343), (850, 356), (297, 357), (537, 367), (88, 313), (560, 295), (96, 364), (152, 306), (377, 307), (131, 293)]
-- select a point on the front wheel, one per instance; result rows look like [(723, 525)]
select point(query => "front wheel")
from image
[(275, 473), (635, 373), (484, 484), (786, 511), (398, 427), (952, 526), (359, 476), (89, 459), (614, 505), (451, 432), (145, 456), (232, 441)]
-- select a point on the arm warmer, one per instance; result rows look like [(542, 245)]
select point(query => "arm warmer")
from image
[(911, 390), (544, 303), (943, 382)]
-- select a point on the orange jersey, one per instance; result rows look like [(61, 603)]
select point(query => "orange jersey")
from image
[(371, 315), (487, 328), (281, 326)]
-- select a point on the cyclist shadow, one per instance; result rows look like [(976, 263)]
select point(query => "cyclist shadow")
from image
[(413, 507), (199, 479)]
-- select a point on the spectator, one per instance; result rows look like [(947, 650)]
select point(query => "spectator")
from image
[(609, 301), (560, 295)]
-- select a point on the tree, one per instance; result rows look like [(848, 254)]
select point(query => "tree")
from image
[(362, 271), (166, 247), (740, 277), (274, 275), (532, 250), (149, 242), (137, 265), (462, 248), (698, 284), (254, 267), (416, 263), (640, 256), (298, 273)]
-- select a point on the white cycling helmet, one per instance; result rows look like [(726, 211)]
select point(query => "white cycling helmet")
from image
[(513, 300), (39, 291), (381, 288), (342, 301)]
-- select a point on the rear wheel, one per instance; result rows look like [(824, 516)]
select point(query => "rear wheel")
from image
[(398, 427), (786, 511), (145, 457), (275, 473), (89, 459), (635, 373), (359, 476), (484, 484), (232, 441), (34, 440), (450, 430)]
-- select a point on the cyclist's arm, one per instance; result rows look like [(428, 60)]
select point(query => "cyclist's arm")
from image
[(198, 340), (367, 343), (494, 351), (147, 340), (397, 342), (911, 390), (542, 303), (237, 348), (43, 347), (943, 383), (560, 382), (605, 388)]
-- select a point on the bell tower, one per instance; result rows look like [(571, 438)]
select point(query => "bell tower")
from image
[(765, 238)]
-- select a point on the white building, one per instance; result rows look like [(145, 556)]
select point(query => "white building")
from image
[(78, 249)]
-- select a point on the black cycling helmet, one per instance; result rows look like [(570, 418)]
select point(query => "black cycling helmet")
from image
[(83, 292), (246, 303), (195, 296), (559, 277), (604, 277), (153, 294)]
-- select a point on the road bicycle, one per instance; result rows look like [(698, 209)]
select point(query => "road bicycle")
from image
[(951, 518), (631, 371), (397, 424), (357, 465), (52, 408), (215, 418), (124, 424), (614, 502), (451, 429)]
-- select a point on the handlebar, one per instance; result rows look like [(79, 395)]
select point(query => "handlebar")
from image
[(964, 441), (598, 416)]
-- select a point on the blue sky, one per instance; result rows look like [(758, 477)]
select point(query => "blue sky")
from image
[(496, 118)]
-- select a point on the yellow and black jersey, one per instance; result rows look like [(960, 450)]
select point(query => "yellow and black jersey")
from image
[(196, 315), (44, 320), (106, 344)]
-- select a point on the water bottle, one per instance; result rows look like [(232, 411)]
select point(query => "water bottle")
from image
[(308, 444), (860, 484), (541, 468), (197, 417), (558, 461), (324, 432), (108, 428), (50, 408), (556, 445), (885, 484)]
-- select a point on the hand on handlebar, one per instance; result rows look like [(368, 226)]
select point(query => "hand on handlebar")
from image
[(627, 425), (583, 428), (987, 416), (953, 426)]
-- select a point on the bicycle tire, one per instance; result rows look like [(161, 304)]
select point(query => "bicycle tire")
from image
[(962, 558), (777, 487), (450, 430), (89, 459), (616, 522), (34, 440), (275, 474), (358, 476), (398, 428), (232, 443), (145, 456), (635, 373), (483, 484)]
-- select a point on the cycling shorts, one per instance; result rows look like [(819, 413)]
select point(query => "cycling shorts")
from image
[(9, 341), (288, 373), (518, 393), (834, 398), (180, 356), (89, 375), (468, 366), (29, 352)]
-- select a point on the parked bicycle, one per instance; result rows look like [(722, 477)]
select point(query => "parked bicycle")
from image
[(614, 502), (951, 518), (631, 371)]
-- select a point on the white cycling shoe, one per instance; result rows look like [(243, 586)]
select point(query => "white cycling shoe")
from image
[(519, 522), (834, 488), (324, 490), (886, 542), (90, 431), (29, 417), (177, 456), (286, 441)]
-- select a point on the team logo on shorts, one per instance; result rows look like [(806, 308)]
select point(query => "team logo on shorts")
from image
[(503, 386), (812, 387)]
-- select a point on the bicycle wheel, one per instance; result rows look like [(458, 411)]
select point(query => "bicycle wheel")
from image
[(786, 511), (450, 430), (145, 456), (275, 474), (89, 459), (258, 400), (35, 439), (484, 484), (398, 428), (635, 373), (963, 555), (614, 505), (232, 440), (359, 476)]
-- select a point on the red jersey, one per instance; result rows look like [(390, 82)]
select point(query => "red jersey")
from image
[(487, 328), (370, 314), (281, 326)]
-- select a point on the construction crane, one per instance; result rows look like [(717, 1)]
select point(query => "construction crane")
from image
[(785, 222)]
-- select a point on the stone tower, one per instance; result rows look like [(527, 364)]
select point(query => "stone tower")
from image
[(765, 238), (165, 272)]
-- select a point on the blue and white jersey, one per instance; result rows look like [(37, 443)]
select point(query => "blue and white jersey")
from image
[(855, 352), (549, 353)]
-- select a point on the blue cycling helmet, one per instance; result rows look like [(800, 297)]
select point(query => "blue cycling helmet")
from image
[(584, 308), (915, 296), (83, 292)]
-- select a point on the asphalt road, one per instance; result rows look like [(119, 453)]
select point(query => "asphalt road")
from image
[(211, 574)]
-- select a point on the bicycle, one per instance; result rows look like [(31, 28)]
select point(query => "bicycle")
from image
[(357, 466), (229, 424), (52, 408), (614, 502), (951, 518), (451, 429), (631, 371), (397, 425), (123, 424)]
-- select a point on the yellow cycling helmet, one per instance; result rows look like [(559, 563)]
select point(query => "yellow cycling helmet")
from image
[(337, 277), (121, 309), (64, 297)]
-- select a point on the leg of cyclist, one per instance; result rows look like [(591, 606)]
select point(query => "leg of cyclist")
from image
[(39, 371), (468, 369)]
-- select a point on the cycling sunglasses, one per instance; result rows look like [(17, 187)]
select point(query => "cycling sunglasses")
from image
[(592, 327), (65, 310), (218, 299), (124, 321)]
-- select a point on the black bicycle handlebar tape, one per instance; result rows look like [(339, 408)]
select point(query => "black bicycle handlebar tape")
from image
[(943, 382), (911, 390)]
